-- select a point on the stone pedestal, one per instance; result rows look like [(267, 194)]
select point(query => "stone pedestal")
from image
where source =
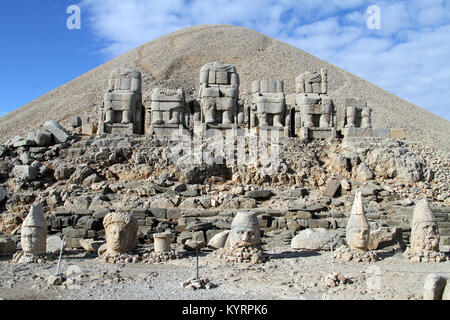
[(306, 133), (283, 132), (162, 242), (168, 131)]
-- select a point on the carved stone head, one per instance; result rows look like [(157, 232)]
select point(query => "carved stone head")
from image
[(358, 229), (424, 229), (244, 230), (121, 232), (34, 231)]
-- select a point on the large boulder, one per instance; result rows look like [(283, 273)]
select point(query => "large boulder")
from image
[(43, 138), (317, 239), (395, 162), (9, 222), (59, 133)]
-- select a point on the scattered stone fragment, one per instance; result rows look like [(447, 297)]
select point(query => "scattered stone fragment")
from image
[(195, 284)]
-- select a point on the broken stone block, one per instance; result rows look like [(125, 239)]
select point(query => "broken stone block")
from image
[(59, 133), (75, 121), (258, 194), (7, 246), (384, 237), (397, 134), (159, 213), (332, 188)]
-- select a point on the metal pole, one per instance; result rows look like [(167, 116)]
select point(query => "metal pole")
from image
[(196, 264), (60, 257)]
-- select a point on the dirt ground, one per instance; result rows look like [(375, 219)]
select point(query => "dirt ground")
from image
[(287, 274)]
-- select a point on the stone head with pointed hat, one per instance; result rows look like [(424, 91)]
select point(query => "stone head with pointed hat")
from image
[(358, 229), (34, 231), (424, 229), (244, 230), (120, 232)]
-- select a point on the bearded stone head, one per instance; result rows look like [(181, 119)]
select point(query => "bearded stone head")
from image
[(358, 229), (244, 231), (424, 229), (121, 232)]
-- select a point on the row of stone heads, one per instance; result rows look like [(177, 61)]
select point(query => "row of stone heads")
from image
[(121, 232), (218, 102)]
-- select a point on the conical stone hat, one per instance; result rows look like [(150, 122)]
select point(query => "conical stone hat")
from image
[(423, 213), (35, 217), (357, 216), (245, 219)]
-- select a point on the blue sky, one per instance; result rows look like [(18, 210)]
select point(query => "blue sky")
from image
[(408, 56)]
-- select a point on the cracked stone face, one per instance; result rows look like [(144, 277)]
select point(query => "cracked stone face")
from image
[(424, 230), (244, 231), (121, 233)]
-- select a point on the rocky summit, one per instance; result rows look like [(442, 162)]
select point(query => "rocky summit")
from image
[(245, 157)]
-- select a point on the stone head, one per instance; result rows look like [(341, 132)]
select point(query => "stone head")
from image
[(424, 229), (358, 229), (34, 231), (121, 232), (244, 230)]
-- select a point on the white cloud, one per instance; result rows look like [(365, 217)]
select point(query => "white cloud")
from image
[(408, 56)]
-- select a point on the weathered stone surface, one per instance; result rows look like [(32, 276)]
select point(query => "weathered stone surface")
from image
[(7, 246), (316, 239), (433, 288), (59, 133), (446, 294), (332, 188), (43, 138), (75, 121), (70, 232), (384, 237), (25, 173), (159, 213), (258, 194)]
